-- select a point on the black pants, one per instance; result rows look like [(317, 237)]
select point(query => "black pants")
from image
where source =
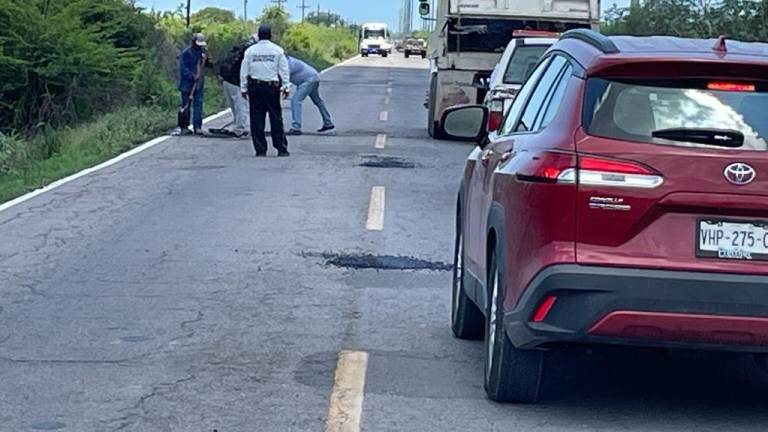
[(265, 98)]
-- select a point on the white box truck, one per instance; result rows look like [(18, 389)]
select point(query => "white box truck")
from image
[(471, 35), (375, 39)]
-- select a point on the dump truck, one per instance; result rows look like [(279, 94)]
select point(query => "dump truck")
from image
[(471, 35)]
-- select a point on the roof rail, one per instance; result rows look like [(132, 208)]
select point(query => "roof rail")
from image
[(597, 40)]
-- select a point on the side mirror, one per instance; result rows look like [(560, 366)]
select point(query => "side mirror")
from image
[(424, 8), (465, 122)]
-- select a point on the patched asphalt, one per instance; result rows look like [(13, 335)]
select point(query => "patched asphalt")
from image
[(194, 287)]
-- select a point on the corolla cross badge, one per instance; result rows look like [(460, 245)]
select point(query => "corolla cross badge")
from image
[(740, 173)]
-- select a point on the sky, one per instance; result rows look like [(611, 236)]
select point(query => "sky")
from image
[(360, 11)]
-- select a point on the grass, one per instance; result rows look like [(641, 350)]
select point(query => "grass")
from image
[(73, 149)]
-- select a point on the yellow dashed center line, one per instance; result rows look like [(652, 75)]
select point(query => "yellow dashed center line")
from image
[(346, 407), (376, 209), (381, 141)]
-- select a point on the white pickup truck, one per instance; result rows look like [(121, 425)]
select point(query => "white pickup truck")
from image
[(470, 36)]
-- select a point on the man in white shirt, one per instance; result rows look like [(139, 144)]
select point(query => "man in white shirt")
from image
[(264, 75)]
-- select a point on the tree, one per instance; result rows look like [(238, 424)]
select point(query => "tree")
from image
[(278, 19), (737, 19), (213, 15)]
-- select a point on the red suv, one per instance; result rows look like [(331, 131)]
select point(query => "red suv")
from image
[(624, 200)]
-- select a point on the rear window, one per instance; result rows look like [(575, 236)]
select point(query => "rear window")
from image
[(524, 59), (682, 113)]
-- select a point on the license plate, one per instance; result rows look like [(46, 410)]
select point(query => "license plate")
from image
[(732, 240)]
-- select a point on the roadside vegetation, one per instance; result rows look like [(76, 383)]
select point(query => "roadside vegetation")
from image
[(744, 20), (84, 80)]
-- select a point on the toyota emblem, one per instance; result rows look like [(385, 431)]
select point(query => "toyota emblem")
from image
[(740, 173)]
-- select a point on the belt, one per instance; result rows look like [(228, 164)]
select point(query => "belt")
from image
[(257, 81)]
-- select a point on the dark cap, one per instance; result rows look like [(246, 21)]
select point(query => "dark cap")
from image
[(265, 32)]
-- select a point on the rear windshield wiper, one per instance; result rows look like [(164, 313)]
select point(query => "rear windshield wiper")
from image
[(716, 137)]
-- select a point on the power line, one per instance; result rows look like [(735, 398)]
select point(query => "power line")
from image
[(304, 6)]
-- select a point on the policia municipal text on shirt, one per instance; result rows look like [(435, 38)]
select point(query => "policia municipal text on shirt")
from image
[(264, 74)]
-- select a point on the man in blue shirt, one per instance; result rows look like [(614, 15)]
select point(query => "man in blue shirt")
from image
[(191, 81), (307, 82)]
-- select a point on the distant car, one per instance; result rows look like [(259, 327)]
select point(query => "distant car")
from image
[(622, 202), (415, 47), (520, 57)]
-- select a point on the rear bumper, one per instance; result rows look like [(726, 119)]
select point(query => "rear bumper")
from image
[(605, 305)]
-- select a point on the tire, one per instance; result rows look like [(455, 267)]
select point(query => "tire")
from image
[(384, 54), (511, 374), (433, 125), (423, 55), (407, 54), (467, 321), (364, 55)]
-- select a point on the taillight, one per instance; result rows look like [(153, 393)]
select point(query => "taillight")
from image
[(495, 115), (544, 307), (563, 168), (597, 171)]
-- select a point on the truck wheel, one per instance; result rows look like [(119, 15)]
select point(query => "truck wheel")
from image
[(384, 54), (511, 374), (364, 54), (423, 55), (407, 54), (433, 124)]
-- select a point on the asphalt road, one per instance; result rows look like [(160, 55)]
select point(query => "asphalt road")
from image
[(188, 289)]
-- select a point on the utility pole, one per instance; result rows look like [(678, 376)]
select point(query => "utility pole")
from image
[(189, 6), (280, 3), (245, 10), (304, 6)]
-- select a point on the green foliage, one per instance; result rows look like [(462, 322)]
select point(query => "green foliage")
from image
[(13, 153), (212, 15), (737, 19), (278, 19), (65, 61), (319, 45), (83, 80)]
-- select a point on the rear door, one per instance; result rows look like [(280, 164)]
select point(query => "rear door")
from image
[(673, 174)]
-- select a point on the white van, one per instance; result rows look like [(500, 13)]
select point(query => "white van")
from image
[(375, 39)]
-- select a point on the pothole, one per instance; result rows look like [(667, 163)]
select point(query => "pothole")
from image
[(383, 262), (381, 161)]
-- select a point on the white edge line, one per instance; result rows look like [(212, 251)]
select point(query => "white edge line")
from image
[(134, 151)]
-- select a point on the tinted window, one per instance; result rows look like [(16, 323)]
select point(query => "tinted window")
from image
[(555, 99), (636, 111), (543, 88), (517, 105), (524, 59)]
